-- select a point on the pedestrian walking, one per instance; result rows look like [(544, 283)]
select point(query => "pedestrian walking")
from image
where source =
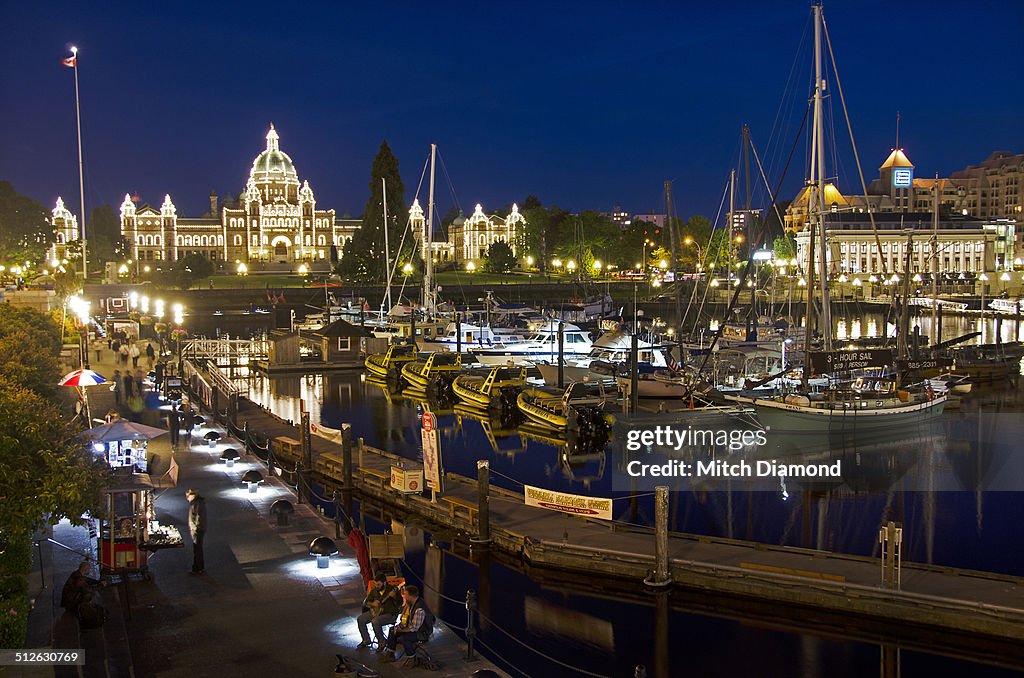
[(123, 352), (117, 387), (140, 378), (174, 426), (189, 423), (158, 376), (150, 354), (129, 386), (134, 352), (197, 526)]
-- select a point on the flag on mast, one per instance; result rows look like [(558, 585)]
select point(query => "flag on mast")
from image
[(71, 61)]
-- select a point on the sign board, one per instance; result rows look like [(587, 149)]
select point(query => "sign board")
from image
[(429, 422), (903, 177), (829, 362), (431, 457), (405, 480), (575, 504), (924, 364)]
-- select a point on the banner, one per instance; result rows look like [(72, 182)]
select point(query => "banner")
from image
[(576, 504), (431, 459), (332, 434), (830, 362)]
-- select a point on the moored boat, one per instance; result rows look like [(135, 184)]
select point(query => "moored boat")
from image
[(556, 407), (391, 361), (422, 373), (490, 389)]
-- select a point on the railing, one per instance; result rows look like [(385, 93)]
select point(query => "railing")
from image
[(226, 349)]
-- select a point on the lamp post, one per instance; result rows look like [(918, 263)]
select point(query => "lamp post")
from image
[(984, 283)]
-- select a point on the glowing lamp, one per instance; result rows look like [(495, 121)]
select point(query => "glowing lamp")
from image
[(281, 509), (229, 456), (212, 437), (322, 548), (252, 479)]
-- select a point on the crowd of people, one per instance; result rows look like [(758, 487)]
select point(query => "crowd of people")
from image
[(403, 609)]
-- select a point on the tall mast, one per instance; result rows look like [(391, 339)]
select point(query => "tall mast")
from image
[(675, 260), (819, 139), (732, 195), (81, 179), (428, 266), (935, 265), (387, 251)]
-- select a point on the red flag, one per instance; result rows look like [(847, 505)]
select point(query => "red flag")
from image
[(71, 61)]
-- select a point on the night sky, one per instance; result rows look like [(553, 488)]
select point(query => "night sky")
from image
[(587, 105)]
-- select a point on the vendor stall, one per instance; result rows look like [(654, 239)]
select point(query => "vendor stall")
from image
[(123, 443), (129, 533)]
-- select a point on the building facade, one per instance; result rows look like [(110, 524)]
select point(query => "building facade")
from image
[(274, 221), (65, 232), (470, 238)]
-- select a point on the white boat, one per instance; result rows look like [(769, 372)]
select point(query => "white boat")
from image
[(541, 347), (473, 338), (606, 357)]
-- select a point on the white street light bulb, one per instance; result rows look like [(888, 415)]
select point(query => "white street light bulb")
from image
[(74, 50)]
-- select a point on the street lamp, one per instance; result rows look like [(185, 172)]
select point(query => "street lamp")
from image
[(557, 263), (597, 267), (529, 261), (471, 267), (303, 269), (242, 269)]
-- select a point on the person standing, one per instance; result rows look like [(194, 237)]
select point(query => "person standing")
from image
[(134, 352), (173, 425), (158, 374), (189, 423), (197, 526), (129, 385), (117, 387), (123, 353), (382, 604), (150, 354)]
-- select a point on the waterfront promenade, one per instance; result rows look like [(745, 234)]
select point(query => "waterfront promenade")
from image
[(261, 609), (976, 613)]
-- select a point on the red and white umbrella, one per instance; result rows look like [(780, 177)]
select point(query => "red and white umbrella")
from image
[(82, 378)]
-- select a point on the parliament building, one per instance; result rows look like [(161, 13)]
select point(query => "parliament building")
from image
[(275, 220)]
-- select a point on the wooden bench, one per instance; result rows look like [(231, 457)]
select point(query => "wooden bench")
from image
[(287, 448), (383, 478), (331, 466), (455, 503)]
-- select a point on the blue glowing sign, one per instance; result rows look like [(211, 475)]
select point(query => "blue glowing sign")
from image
[(903, 177)]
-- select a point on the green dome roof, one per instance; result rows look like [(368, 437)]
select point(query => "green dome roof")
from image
[(273, 164)]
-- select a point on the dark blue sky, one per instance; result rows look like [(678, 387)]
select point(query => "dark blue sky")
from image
[(586, 105)]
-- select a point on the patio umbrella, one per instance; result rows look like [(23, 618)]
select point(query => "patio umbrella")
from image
[(82, 378), (122, 430)]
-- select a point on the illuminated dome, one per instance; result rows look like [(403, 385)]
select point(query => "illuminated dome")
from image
[(273, 164)]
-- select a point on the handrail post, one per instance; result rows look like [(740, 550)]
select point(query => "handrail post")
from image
[(470, 622), (298, 482), (346, 455)]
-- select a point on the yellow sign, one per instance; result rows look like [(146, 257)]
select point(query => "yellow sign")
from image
[(576, 504)]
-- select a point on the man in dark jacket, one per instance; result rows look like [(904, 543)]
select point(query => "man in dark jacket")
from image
[(189, 422), (415, 624), (173, 425), (381, 605), (79, 588), (197, 526)]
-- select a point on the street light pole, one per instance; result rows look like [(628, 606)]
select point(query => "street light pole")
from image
[(81, 175)]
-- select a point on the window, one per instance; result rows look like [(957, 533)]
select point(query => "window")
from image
[(238, 240), (344, 344)]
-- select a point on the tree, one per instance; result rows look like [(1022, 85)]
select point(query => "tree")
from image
[(103, 237), (785, 247), (29, 345), (499, 258), (192, 268), (25, 228), (363, 257)]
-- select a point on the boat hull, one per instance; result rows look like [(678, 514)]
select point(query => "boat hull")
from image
[(785, 417)]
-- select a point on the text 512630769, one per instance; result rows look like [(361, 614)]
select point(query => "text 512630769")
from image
[(42, 657)]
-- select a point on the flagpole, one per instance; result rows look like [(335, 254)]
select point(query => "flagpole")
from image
[(81, 178)]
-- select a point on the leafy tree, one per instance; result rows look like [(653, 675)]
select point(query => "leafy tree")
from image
[(30, 343), (785, 247), (192, 268), (531, 202), (363, 256), (104, 236), (25, 229), (499, 258), (45, 473)]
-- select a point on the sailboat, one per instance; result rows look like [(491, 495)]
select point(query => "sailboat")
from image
[(853, 407)]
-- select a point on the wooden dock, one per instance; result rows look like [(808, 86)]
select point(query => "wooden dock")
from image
[(970, 609)]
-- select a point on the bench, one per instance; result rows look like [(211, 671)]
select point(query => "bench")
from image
[(455, 503)]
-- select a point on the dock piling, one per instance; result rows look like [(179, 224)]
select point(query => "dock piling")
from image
[(561, 355), (660, 577), (634, 384), (483, 483), (346, 457)]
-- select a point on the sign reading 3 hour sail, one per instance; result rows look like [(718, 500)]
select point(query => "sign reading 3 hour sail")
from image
[(828, 362)]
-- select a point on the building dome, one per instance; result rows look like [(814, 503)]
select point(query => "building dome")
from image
[(273, 164)]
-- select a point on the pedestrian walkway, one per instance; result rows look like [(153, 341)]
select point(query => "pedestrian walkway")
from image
[(263, 608)]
